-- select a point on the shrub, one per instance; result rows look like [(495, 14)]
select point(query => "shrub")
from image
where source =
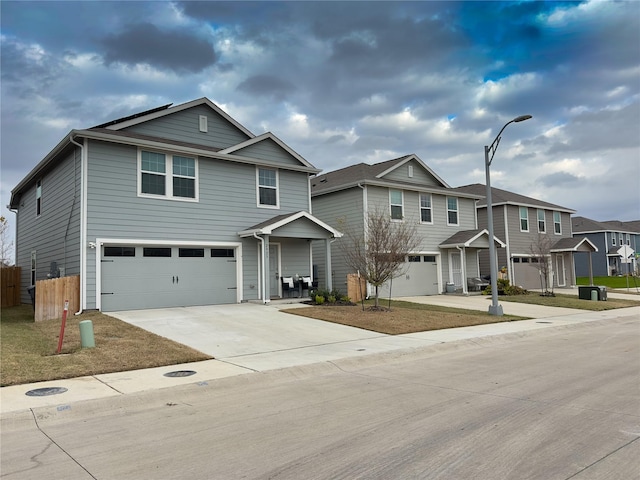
[(505, 288), (331, 299), (319, 299)]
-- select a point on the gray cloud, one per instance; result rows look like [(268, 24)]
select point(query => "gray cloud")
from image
[(558, 179), (267, 85), (178, 51)]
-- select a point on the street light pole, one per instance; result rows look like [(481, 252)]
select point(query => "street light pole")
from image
[(489, 152)]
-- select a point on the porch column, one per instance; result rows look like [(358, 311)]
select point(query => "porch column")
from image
[(327, 244), (266, 271), (590, 270)]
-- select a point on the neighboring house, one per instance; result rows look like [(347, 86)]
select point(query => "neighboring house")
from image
[(408, 191), (523, 222), (173, 206), (608, 236)]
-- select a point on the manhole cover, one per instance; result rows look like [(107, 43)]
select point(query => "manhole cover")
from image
[(43, 392), (180, 373)]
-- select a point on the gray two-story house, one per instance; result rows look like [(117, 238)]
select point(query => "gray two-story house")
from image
[(609, 237), (409, 191), (523, 224), (175, 206)]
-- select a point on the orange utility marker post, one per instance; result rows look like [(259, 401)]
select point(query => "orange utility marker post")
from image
[(64, 323)]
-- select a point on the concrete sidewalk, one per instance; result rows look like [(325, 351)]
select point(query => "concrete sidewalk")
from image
[(248, 338)]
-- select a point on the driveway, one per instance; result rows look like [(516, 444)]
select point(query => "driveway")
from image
[(227, 331)]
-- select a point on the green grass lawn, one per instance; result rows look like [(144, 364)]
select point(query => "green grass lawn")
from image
[(612, 282)]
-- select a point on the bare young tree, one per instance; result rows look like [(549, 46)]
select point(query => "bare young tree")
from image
[(541, 256), (379, 253), (6, 245)]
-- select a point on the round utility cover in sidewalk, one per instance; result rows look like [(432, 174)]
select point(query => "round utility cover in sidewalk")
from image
[(43, 392), (180, 373)]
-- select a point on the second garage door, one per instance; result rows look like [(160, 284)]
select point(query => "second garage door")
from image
[(420, 277), (138, 277)]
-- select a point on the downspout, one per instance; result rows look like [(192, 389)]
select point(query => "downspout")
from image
[(83, 233), (365, 221), (262, 292)]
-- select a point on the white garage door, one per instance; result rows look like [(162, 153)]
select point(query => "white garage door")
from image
[(137, 277), (420, 278), (526, 273)]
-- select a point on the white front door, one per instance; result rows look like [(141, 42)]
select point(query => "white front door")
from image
[(560, 270), (274, 270), (455, 265)]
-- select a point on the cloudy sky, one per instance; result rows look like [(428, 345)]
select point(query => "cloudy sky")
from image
[(349, 82)]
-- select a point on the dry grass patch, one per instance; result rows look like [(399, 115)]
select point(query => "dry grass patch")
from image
[(28, 352), (404, 317), (569, 301)]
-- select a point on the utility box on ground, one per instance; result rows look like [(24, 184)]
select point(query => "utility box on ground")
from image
[(584, 293)]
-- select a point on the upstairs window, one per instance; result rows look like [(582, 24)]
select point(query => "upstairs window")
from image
[(169, 176), (542, 227), (267, 187), (557, 225), (452, 211), (38, 197), (425, 208), (613, 239), (524, 219), (395, 200)]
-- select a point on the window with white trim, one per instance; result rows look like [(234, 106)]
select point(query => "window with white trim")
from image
[(542, 226), (452, 211), (524, 219), (38, 198), (613, 239), (628, 239), (425, 208), (557, 224), (267, 184), (396, 202), (621, 242), (168, 176)]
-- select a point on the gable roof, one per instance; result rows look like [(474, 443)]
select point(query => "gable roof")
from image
[(365, 174), (167, 110), (573, 244), (268, 226), (504, 197), (466, 238), (586, 225), (112, 132), (268, 136)]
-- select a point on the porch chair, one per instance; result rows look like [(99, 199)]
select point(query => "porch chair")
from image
[(287, 285)]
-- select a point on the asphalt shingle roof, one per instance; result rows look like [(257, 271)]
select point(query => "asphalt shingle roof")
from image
[(499, 196)]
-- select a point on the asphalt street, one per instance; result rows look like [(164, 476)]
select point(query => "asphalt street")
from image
[(558, 403)]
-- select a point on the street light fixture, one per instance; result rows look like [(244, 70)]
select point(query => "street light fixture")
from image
[(489, 152)]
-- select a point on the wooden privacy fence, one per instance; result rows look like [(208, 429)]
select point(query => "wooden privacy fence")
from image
[(356, 287), (10, 290), (51, 294)]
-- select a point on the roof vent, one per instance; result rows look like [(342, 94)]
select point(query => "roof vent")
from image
[(203, 123)]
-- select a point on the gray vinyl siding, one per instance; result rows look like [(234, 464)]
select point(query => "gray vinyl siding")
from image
[(420, 175), (227, 204), (296, 260), (270, 151), (55, 234), (342, 210), (184, 126), (345, 208)]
